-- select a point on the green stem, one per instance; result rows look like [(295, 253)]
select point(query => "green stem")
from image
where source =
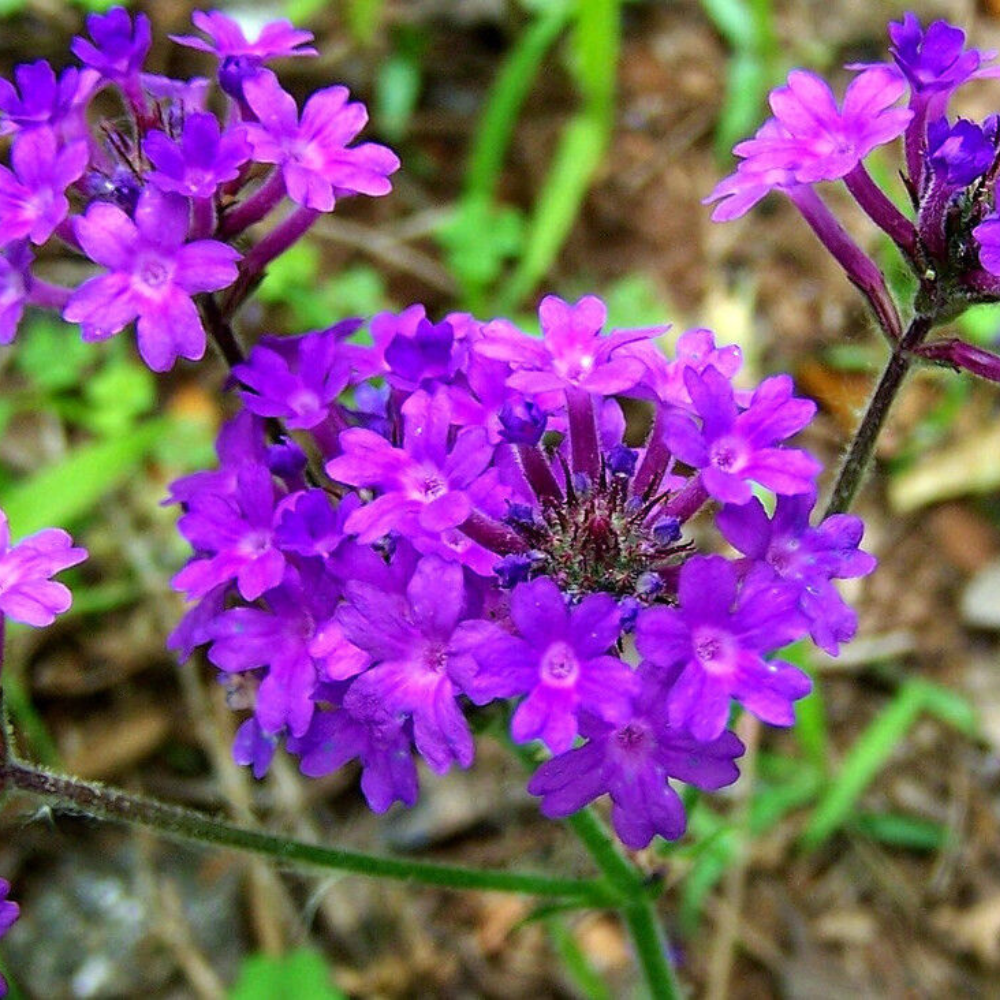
[(100, 802), (637, 908)]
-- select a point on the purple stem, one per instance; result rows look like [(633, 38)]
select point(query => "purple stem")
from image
[(259, 204), (983, 284), (688, 501), (64, 231), (915, 140), (860, 268), (881, 210), (202, 218), (46, 295), (654, 462), (492, 534), (539, 474), (933, 216), (584, 447), (273, 245)]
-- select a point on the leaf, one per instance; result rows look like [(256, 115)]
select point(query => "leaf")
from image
[(397, 90), (62, 493), (299, 975), (874, 747), (118, 394), (51, 354)]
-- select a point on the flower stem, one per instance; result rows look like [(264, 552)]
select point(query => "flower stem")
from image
[(100, 802), (863, 444), (637, 910)]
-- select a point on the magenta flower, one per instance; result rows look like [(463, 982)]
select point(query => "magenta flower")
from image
[(806, 558), (297, 378), (277, 39), (373, 735), (151, 274), (33, 194), (117, 50), (14, 281), (559, 659), (315, 160), (818, 141), (420, 656), (733, 449), (632, 761), (40, 98), (203, 159), (233, 537), (26, 593), (573, 353), (425, 483), (719, 637)]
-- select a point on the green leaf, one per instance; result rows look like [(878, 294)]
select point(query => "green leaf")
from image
[(479, 238), (364, 18), (51, 354), (290, 273), (117, 395), (514, 81), (579, 969), (908, 832), (62, 493), (874, 747), (397, 90), (810, 712), (581, 147), (981, 325), (299, 975)]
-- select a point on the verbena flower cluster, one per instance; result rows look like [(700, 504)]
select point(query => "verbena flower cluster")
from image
[(158, 190), (951, 238), (479, 524)]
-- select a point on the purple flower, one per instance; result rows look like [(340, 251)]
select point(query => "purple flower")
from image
[(26, 593), (632, 761), (718, 637), (297, 642), (297, 378), (33, 194), (151, 273), (559, 659), (313, 153), (204, 158), (42, 99), (423, 485), (933, 61), (375, 736), (277, 39), (14, 281), (573, 352), (987, 235), (425, 353), (420, 652), (252, 746), (233, 537), (9, 912), (733, 449), (818, 141), (963, 152), (118, 49), (807, 558)]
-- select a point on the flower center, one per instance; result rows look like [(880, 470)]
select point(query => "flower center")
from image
[(559, 665), (713, 650), (726, 455), (153, 272), (633, 738), (433, 486), (435, 657)]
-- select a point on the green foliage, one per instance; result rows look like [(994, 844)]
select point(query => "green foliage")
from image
[(299, 975), (51, 354), (293, 282), (875, 746), (579, 969), (754, 65)]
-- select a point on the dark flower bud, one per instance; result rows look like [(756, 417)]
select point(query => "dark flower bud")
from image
[(622, 460), (522, 422), (667, 530)]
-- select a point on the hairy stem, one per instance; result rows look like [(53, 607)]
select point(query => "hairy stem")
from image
[(99, 802), (863, 443)]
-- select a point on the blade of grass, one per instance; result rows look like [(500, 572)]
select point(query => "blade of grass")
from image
[(909, 832), (874, 747), (810, 712), (60, 494), (584, 978), (597, 41)]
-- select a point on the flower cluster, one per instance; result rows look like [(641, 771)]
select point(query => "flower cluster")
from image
[(466, 518), (952, 239), (157, 194), (9, 912)]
